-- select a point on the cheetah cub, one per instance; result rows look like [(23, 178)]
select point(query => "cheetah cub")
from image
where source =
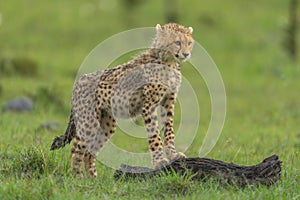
[(138, 87)]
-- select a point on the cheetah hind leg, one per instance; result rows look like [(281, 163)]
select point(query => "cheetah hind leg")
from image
[(108, 126), (78, 151), (79, 155), (90, 164)]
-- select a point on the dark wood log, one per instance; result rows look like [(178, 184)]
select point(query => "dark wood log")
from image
[(265, 173)]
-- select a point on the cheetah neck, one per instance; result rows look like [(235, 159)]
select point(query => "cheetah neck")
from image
[(159, 56)]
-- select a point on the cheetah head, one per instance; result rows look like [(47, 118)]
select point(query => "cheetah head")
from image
[(176, 39)]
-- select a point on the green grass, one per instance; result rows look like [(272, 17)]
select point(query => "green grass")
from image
[(245, 39)]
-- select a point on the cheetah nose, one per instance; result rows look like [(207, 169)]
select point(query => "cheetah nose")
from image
[(185, 54)]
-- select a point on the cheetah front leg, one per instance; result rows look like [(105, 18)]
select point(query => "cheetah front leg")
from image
[(151, 100), (167, 117), (154, 140)]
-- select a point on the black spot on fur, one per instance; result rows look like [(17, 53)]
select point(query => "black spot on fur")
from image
[(148, 121)]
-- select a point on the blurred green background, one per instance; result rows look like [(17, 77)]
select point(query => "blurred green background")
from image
[(43, 43)]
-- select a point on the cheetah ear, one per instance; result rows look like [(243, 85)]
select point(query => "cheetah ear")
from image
[(191, 29), (159, 28)]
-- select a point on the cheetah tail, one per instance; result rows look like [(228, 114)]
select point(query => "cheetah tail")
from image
[(61, 141)]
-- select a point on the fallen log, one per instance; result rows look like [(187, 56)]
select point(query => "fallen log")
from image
[(265, 173)]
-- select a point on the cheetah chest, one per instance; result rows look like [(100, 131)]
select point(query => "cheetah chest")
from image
[(124, 95)]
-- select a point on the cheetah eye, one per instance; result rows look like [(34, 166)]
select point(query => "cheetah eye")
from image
[(189, 43), (178, 43)]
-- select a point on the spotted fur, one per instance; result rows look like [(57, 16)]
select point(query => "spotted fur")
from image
[(138, 87)]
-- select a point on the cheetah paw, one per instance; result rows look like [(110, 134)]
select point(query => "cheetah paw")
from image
[(160, 164), (177, 156)]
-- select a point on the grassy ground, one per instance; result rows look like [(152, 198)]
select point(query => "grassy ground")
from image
[(245, 39)]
